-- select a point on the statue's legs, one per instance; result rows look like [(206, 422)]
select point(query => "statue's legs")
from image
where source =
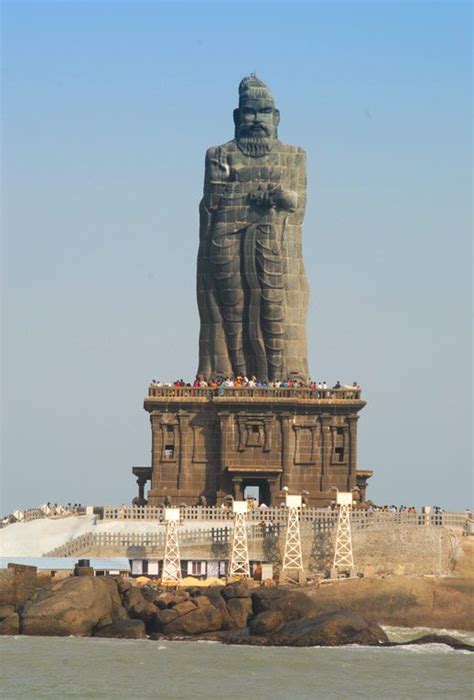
[(225, 261), (272, 311)]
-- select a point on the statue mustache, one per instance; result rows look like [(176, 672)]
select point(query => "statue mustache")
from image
[(255, 128)]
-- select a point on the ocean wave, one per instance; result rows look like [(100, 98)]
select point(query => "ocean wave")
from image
[(433, 648), (408, 634)]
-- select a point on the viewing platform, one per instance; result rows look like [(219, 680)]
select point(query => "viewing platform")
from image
[(223, 395)]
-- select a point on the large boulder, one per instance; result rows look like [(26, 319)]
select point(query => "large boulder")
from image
[(134, 602), (123, 584), (185, 607), (239, 589), (198, 621), (266, 622), (9, 620), (172, 598), (293, 605), (328, 629), (214, 595), (123, 629), (240, 610), (73, 606), (161, 618)]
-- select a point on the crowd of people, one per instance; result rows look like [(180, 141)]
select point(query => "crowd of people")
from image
[(47, 510), (393, 509), (240, 381)]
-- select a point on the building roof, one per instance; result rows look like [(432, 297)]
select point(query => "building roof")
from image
[(67, 563)]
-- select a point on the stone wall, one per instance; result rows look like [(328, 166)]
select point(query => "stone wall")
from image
[(399, 550), (17, 584)]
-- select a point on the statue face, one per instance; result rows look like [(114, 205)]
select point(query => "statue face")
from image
[(256, 118)]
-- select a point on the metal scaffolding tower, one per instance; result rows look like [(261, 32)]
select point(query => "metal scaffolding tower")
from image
[(239, 558), (171, 564), (343, 557), (293, 561)]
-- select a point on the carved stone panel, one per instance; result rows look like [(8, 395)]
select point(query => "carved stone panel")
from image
[(254, 431), (339, 444), (169, 451), (200, 444), (307, 443)]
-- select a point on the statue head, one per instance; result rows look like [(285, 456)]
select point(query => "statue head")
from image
[(256, 119)]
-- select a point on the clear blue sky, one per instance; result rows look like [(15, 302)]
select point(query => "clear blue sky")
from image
[(108, 109)]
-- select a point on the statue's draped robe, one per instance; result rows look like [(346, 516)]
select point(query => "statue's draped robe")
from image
[(252, 288)]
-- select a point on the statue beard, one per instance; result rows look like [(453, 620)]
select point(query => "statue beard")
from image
[(254, 145)]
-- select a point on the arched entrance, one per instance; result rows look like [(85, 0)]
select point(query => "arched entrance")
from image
[(259, 489)]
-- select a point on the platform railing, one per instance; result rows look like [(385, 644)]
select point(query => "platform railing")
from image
[(323, 518), (126, 540), (187, 392)]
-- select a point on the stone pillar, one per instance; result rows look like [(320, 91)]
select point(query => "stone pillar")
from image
[(141, 481), (156, 447), (352, 456), (286, 461), (272, 485), (237, 488), (325, 452), (226, 436), (184, 475)]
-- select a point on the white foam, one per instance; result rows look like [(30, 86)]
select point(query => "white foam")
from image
[(408, 634)]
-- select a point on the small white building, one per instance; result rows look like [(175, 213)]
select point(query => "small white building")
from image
[(63, 566)]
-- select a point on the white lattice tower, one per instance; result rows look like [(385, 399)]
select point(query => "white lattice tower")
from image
[(343, 557), (239, 558), (292, 560), (171, 562)]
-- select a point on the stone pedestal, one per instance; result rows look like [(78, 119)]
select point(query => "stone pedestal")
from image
[(216, 442)]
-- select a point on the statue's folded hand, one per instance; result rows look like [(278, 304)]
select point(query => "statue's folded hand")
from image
[(282, 199), (274, 198)]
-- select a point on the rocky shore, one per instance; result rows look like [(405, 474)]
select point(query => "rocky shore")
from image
[(239, 613)]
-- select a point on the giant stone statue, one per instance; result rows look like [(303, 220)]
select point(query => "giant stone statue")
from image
[(252, 288)]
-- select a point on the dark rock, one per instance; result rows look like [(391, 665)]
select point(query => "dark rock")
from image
[(195, 591), (183, 608), (265, 622), (240, 610), (172, 599), (440, 639), (214, 594), (148, 613), (328, 629), (149, 594), (166, 598), (196, 622), (9, 620), (76, 605), (161, 618), (125, 629), (239, 589), (135, 604), (123, 584), (292, 604), (201, 601), (161, 604)]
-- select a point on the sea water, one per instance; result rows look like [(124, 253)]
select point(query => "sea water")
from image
[(40, 667)]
